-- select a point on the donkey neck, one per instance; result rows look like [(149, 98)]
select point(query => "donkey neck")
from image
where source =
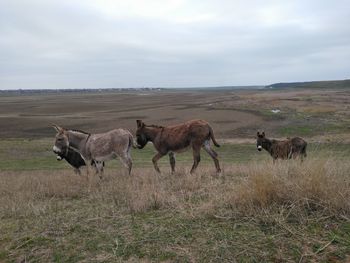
[(77, 140), (152, 132), (267, 145)]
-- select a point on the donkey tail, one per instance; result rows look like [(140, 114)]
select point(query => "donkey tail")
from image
[(303, 151), (290, 154), (211, 134)]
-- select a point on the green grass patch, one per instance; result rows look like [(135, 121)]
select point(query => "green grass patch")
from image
[(37, 155), (310, 130), (17, 155), (296, 130)]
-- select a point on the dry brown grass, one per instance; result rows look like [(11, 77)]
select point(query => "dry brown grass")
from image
[(315, 185), (46, 214), (318, 109)]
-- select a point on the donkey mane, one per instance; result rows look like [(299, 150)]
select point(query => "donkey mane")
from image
[(155, 126), (80, 131)]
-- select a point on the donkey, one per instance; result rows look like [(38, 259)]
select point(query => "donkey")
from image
[(174, 139), (96, 147), (287, 149), (75, 160)]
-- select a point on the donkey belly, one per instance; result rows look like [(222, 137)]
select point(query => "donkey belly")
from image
[(180, 147), (105, 157), (104, 148), (181, 150)]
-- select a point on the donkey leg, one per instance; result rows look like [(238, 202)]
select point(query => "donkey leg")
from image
[(129, 160), (213, 155), (88, 168), (196, 158), (172, 161), (129, 164), (301, 156), (99, 168), (126, 161), (155, 160), (94, 164), (295, 155), (77, 171)]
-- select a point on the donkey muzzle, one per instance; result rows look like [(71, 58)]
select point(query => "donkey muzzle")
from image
[(140, 146), (56, 149), (59, 158), (259, 148)]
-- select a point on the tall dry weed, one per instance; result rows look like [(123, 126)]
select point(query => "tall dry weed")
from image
[(314, 185)]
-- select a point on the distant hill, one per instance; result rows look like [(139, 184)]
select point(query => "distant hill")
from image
[(58, 91), (312, 84), (145, 89)]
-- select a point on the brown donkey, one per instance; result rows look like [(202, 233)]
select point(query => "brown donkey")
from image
[(287, 149), (178, 138)]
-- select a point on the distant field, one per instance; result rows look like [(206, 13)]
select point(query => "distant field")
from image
[(254, 212), (232, 113)]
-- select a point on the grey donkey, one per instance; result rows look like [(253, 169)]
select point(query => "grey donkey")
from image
[(98, 147)]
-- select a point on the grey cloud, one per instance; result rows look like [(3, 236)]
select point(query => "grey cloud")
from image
[(65, 45)]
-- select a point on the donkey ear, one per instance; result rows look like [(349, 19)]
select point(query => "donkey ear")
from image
[(57, 128), (263, 134), (139, 123), (258, 133)]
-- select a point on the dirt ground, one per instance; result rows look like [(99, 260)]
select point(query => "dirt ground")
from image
[(234, 114)]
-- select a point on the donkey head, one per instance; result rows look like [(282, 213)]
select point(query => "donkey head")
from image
[(260, 137), (61, 145), (141, 137)]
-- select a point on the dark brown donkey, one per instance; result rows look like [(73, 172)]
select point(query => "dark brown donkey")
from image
[(286, 149), (178, 138)]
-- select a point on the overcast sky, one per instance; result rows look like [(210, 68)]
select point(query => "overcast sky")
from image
[(176, 43)]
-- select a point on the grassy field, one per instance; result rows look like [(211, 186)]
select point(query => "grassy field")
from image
[(254, 212)]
